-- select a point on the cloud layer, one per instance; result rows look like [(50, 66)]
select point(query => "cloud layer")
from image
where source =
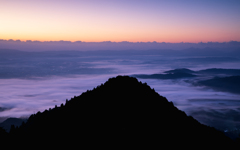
[(108, 45), (35, 81)]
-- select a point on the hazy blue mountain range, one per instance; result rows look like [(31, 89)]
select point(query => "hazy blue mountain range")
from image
[(30, 64), (228, 84), (229, 81)]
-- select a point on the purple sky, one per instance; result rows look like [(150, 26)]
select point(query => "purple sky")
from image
[(126, 20)]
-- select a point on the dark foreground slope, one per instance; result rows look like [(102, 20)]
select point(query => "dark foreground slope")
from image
[(119, 113)]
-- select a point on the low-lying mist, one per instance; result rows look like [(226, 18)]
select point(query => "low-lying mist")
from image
[(35, 81)]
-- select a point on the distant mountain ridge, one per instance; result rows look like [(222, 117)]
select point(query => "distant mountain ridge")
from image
[(119, 113), (207, 71), (124, 45), (11, 121), (227, 80), (228, 84)]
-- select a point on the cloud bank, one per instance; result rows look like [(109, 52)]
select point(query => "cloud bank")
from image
[(108, 45)]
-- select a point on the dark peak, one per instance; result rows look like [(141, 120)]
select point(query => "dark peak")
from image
[(123, 81), (124, 89), (120, 112)]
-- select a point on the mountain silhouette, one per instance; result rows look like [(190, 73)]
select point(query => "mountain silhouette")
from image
[(121, 113), (11, 121), (216, 71), (226, 84), (185, 72)]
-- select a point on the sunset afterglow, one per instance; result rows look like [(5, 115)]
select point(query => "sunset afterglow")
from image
[(134, 21)]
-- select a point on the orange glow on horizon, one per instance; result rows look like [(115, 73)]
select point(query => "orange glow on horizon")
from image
[(115, 21), (72, 41)]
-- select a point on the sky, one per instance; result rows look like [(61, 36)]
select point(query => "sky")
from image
[(171, 21)]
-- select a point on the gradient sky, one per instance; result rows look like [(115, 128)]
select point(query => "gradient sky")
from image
[(125, 20)]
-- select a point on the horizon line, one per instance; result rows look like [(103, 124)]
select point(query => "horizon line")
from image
[(25, 41)]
